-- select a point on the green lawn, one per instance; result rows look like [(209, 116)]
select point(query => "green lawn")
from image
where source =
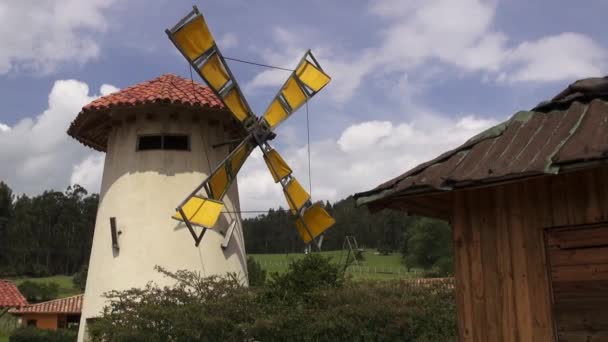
[(375, 266), (66, 288)]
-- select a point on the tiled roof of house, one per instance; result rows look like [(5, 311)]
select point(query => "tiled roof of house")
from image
[(10, 295), (568, 132), (71, 304), (91, 126)]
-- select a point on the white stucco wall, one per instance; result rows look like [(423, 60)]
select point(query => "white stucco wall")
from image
[(141, 189)]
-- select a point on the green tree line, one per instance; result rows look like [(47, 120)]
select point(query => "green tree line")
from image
[(52, 233), (47, 234)]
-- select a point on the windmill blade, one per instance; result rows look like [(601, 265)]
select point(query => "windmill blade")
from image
[(205, 211), (192, 38), (311, 219), (304, 82)]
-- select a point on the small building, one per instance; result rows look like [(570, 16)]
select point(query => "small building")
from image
[(54, 314), (10, 297), (528, 204)]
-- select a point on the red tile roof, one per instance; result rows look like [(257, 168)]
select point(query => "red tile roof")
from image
[(91, 126), (167, 88), (10, 295), (63, 305)]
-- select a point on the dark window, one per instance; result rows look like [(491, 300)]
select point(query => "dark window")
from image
[(149, 142), (31, 322), (163, 142), (176, 142)]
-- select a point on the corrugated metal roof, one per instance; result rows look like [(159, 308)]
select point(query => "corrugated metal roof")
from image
[(10, 295), (63, 305), (570, 131), (91, 126)]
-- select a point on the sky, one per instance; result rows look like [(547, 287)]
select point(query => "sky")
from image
[(410, 78)]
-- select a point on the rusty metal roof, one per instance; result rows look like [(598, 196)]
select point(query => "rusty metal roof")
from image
[(568, 132), (71, 304)]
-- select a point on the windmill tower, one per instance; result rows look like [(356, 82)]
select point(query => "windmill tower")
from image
[(173, 150), (158, 138)]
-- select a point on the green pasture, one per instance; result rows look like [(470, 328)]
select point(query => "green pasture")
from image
[(373, 267), (66, 287)]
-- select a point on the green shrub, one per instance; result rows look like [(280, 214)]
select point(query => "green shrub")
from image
[(313, 272), (257, 275), (311, 302), (31, 334), (79, 279), (39, 291)]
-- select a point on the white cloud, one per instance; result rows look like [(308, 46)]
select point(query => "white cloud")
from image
[(4, 128), (38, 35), (365, 155), (88, 172), (228, 40), (36, 154), (107, 89), (460, 34), (567, 55)]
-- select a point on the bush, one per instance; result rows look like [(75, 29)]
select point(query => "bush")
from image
[(257, 275), (31, 334), (311, 302), (313, 272), (79, 279), (39, 291)]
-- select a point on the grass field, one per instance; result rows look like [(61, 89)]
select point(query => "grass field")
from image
[(66, 287), (375, 266)]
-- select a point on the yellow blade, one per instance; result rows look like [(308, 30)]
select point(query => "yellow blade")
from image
[(276, 165), (317, 221), (296, 195), (275, 113), (311, 76), (201, 211), (302, 84), (222, 177), (235, 102), (214, 73), (292, 92), (195, 41), (194, 38)]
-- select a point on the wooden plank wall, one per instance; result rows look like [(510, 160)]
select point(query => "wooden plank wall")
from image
[(502, 284), (578, 258)]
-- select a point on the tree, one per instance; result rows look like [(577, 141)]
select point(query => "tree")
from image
[(429, 246)]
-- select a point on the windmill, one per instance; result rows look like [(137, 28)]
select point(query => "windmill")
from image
[(203, 206)]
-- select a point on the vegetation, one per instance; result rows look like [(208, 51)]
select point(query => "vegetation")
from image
[(429, 246), (30, 334), (36, 292), (275, 231), (374, 266), (311, 302), (66, 286), (47, 234), (255, 273)]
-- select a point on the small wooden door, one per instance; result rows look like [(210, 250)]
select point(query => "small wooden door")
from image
[(578, 263)]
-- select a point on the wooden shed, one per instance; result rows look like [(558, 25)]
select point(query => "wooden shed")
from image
[(528, 204)]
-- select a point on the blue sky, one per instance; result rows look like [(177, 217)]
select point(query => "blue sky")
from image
[(410, 78)]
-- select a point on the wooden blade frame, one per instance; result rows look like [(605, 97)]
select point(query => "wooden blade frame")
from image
[(248, 144), (229, 92)]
